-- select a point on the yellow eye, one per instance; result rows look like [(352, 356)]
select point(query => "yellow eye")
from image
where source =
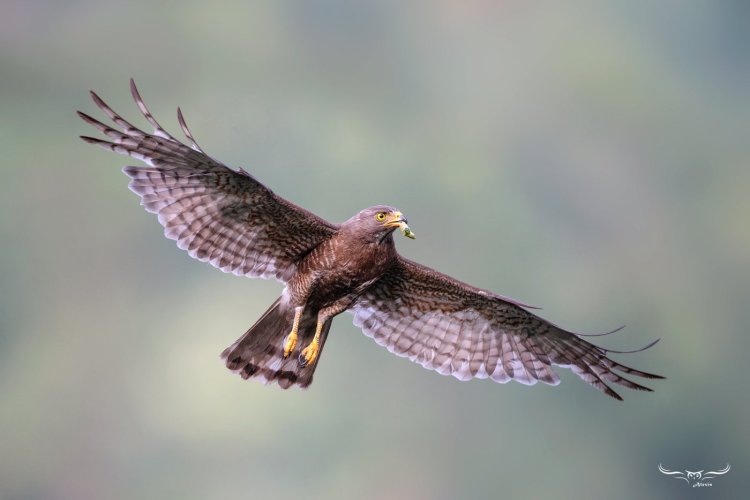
[(380, 216)]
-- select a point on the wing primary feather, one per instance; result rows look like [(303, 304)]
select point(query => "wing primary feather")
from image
[(186, 131), (99, 142), (158, 129), (641, 349), (101, 127), (601, 334), (126, 126)]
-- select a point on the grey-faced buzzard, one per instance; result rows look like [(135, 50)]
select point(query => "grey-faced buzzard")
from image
[(228, 218)]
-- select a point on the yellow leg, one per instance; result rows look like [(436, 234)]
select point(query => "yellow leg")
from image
[(291, 340), (310, 353)]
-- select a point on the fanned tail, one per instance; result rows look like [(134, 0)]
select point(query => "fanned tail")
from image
[(259, 352)]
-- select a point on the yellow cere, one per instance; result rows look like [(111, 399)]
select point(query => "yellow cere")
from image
[(407, 232)]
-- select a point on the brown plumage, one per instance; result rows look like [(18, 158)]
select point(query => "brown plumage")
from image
[(228, 218)]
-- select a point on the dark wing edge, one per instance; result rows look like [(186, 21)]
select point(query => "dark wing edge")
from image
[(218, 215), (456, 329)]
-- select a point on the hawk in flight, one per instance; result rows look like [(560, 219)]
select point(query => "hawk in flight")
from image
[(228, 218)]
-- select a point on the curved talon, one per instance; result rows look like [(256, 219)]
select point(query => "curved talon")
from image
[(290, 343), (309, 354)]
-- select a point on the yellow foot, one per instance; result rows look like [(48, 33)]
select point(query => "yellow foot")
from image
[(291, 340), (290, 343), (309, 354)]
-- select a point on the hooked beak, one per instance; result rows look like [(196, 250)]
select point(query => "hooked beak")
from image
[(394, 219), (397, 219)]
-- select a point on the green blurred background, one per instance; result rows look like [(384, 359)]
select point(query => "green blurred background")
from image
[(592, 158)]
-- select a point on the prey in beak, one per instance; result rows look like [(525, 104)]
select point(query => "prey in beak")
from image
[(397, 219)]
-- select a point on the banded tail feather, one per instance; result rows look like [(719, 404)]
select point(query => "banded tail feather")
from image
[(259, 353)]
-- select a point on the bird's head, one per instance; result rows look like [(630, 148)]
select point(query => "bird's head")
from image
[(380, 221)]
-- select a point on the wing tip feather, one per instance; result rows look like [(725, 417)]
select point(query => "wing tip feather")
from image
[(97, 142)]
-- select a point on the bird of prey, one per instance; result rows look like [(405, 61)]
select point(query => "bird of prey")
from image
[(228, 218)]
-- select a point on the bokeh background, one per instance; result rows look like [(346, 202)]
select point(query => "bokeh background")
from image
[(592, 158)]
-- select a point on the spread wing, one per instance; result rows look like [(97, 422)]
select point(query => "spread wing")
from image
[(673, 473), (217, 214), (456, 329), (713, 473)]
